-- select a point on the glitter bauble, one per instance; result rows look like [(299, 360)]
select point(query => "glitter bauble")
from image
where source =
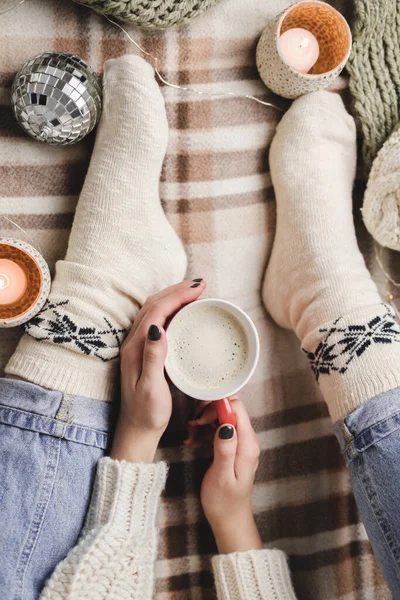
[(56, 98)]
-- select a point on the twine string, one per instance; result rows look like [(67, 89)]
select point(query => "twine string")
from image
[(191, 89), (155, 59), (12, 7), (30, 238)]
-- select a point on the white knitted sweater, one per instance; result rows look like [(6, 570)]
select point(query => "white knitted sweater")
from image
[(114, 558)]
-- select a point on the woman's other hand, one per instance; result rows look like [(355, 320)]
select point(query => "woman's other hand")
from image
[(227, 486), (146, 402)]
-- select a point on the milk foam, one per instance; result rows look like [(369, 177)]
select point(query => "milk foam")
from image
[(208, 348)]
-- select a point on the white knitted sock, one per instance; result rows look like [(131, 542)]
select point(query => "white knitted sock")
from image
[(316, 282), (121, 249)]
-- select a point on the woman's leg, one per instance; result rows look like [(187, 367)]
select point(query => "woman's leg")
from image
[(318, 285), (49, 448), (370, 440), (121, 249)]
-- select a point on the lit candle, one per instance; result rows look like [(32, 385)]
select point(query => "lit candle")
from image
[(13, 282), (299, 48)]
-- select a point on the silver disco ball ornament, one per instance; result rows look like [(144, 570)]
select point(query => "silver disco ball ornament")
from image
[(56, 98)]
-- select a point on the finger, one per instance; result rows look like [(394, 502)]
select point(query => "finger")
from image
[(157, 314), (206, 416), (201, 437), (248, 449), (206, 412), (197, 434), (225, 444), (160, 311), (168, 302), (244, 423), (199, 407), (191, 435), (193, 288), (154, 354), (132, 355), (173, 288), (156, 297), (199, 411)]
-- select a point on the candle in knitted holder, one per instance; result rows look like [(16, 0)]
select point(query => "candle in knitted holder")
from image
[(334, 39), (24, 282)]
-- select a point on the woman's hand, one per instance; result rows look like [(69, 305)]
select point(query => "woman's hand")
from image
[(146, 402), (228, 484)]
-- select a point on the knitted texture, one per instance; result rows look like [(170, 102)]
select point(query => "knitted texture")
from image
[(151, 14), (374, 68), (381, 208), (114, 559), (121, 250), (253, 575), (317, 283), (115, 556)]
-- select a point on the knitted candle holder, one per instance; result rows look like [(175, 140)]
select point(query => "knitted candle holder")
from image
[(38, 282), (334, 39), (150, 14)]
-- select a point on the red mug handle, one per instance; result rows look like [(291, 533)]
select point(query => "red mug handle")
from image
[(225, 412)]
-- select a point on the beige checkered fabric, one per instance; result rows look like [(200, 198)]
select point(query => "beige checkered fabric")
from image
[(216, 190)]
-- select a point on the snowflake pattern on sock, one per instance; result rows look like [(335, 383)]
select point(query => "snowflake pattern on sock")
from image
[(345, 343), (53, 324)]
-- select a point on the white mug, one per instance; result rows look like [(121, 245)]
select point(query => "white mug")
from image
[(221, 396)]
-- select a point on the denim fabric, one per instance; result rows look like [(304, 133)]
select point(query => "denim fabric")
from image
[(49, 448), (370, 440)]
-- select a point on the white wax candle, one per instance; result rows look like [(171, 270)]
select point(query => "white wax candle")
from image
[(299, 48), (13, 282)]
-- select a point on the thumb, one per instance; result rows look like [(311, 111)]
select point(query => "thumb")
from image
[(225, 444), (154, 353)]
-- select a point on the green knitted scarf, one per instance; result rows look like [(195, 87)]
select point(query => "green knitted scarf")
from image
[(151, 14), (374, 68)]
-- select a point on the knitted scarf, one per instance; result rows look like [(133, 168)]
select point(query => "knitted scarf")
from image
[(151, 14), (374, 69)]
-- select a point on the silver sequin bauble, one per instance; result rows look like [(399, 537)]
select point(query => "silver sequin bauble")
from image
[(56, 98)]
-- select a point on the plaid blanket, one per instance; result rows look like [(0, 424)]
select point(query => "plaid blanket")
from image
[(216, 190)]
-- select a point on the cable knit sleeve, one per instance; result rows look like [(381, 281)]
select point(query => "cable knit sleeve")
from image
[(253, 575), (114, 558)]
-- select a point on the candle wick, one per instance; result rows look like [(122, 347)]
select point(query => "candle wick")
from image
[(305, 43), (4, 281)]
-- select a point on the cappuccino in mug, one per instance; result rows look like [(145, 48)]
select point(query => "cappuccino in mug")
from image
[(209, 348)]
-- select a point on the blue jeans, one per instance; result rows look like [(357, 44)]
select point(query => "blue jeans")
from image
[(370, 440), (49, 447)]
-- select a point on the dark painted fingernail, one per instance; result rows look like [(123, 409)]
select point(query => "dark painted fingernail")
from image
[(226, 432), (195, 285), (198, 280), (185, 436), (154, 333)]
